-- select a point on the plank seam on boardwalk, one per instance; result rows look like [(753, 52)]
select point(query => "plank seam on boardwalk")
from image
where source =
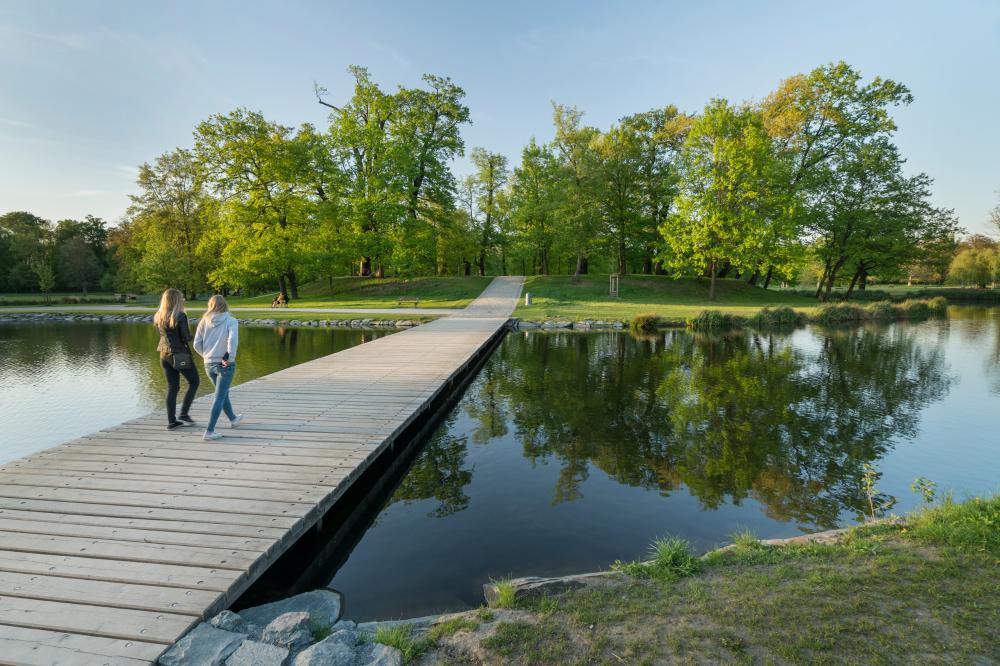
[(189, 525)]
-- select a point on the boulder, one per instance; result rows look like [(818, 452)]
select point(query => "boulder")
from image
[(289, 630), (405, 323), (254, 653), (533, 586), (229, 621), (204, 645), (322, 605), (334, 650), (376, 654)]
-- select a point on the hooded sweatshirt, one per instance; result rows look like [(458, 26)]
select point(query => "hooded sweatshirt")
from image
[(217, 337)]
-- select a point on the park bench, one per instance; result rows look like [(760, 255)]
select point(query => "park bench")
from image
[(409, 299)]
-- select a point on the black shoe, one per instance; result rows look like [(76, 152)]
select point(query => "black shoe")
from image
[(174, 426), (185, 420)]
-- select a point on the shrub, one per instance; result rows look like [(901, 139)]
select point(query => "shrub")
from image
[(912, 309), (708, 320), (836, 313), (401, 637), (938, 305), (506, 595), (672, 559), (882, 310), (780, 316), (973, 524), (645, 323)]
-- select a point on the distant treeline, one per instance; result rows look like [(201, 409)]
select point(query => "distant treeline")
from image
[(805, 184)]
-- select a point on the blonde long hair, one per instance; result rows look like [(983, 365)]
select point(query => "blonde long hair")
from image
[(217, 304), (171, 306)]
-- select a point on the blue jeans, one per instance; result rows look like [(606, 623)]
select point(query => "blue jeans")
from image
[(221, 377)]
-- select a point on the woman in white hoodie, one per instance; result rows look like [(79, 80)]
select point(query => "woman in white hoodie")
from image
[(216, 340)]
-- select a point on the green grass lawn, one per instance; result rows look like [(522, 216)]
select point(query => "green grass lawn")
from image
[(353, 292), (926, 592), (586, 297)]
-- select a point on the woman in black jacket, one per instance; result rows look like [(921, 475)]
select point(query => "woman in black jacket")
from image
[(175, 356)]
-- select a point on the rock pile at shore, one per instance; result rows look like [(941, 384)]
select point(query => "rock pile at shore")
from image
[(147, 318), (304, 630)]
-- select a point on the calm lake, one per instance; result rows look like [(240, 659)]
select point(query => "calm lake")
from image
[(571, 450), (62, 380)]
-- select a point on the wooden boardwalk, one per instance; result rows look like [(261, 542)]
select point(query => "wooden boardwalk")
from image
[(115, 544)]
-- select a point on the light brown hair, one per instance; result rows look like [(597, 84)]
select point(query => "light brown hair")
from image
[(171, 306)]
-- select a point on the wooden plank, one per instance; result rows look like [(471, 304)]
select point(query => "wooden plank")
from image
[(261, 508), (102, 593), (179, 526), (120, 571), (121, 483), (70, 507), (206, 556), (303, 481), (39, 647), (127, 624), (133, 534)]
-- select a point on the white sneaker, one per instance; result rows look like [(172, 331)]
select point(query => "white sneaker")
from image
[(235, 422), (211, 436)]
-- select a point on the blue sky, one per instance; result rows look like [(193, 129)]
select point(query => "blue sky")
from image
[(88, 91)]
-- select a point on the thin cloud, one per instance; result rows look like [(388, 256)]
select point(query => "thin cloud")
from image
[(10, 122)]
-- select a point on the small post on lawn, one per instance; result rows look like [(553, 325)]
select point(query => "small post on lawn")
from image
[(527, 298), (613, 287)]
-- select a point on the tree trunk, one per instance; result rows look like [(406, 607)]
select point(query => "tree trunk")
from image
[(379, 269), (466, 267), (711, 282), (581, 265), (863, 284), (293, 284), (647, 264), (365, 268), (854, 281), (622, 268), (767, 278), (753, 278), (482, 263)]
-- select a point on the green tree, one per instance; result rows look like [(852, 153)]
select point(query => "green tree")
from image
[(975, 266), (24, 237), (489, 179), (727, 171), (537, 194), (169, 218), (79, 263), (45, 274), (578, 215), (264, 174)]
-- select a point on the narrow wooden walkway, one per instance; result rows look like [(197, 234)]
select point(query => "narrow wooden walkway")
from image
[(115, 544)]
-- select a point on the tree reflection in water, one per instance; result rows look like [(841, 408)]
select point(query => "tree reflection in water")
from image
[(786, 419)]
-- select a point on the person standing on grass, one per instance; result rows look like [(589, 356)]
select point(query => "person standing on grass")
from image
[(216, 340), (175, 356)]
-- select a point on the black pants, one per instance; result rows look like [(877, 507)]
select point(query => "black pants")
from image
[(174, 385)]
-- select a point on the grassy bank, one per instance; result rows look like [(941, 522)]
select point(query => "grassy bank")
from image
[(673, 300), (827, 313), (352, 292), (924, 592)]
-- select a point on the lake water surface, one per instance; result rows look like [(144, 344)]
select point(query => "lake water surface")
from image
[(569, 451), (62, 380)]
